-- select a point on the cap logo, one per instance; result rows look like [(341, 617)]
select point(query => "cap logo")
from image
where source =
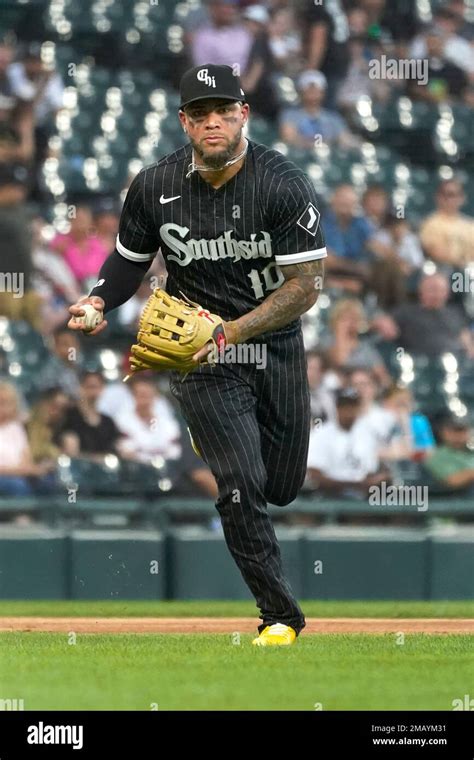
[(203, 76)]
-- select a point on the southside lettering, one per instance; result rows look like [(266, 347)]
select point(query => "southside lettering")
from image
[(223, 247)]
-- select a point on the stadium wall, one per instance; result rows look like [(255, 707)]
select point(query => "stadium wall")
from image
[(193, 563)]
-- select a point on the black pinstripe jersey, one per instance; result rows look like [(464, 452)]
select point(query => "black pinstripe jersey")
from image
[(223, 248)]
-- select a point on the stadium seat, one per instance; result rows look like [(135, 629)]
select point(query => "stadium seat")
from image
[(261, 131), (102, 358), (139, 478), (113, 477), (389, 353), (411, 473), (90, 478), (23, 345), (24, 378), (12, 14)]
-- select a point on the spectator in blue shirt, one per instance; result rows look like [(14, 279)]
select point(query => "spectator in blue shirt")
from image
[(348, 238), (310, 125)]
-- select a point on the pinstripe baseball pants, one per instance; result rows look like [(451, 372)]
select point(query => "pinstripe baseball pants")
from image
[(251, 426)]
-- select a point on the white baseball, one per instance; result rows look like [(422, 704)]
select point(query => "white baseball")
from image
[(91, 318)]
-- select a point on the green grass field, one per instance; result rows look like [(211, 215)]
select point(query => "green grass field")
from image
[(206, 608), (214, 672)]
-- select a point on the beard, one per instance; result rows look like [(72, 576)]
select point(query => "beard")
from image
[(217, 160)]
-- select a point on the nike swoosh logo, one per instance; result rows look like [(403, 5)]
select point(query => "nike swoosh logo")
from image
[(168, 200)]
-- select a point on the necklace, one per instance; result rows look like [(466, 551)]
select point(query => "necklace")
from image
[(193, 166)]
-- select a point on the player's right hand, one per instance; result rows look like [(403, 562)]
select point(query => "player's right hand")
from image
[(76, 311)]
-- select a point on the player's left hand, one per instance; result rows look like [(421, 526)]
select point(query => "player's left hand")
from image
[(231, 336)]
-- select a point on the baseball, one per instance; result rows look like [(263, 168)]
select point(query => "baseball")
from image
[(91, 318)]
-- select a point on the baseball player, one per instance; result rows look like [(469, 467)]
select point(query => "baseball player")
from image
[(238, 226)]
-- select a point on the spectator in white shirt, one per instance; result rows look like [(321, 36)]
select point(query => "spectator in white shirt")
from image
[(32, 82), (286, 42), (465, 26), (358, 83), (342, 457), (117, 398), (413, 437), (8, 101), (399, 256), (53, 280), (402, 243), (16, 461), (456, 49), (147, 435), (322, 399), (381, 422), (41, 90)]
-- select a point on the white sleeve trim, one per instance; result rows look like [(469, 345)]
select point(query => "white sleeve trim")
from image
[(296, 258), (131, 254)]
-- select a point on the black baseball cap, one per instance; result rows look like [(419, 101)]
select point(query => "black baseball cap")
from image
[(210, 81)]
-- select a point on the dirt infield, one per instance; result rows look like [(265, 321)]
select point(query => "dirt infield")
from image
[(231, 625)]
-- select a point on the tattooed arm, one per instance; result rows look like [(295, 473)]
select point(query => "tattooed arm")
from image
[(299, 292)]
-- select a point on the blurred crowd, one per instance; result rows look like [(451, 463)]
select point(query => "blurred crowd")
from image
[(80, 418), (366, 435), (390, 284), (327, 49)]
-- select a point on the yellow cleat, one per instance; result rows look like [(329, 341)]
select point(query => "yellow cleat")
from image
[(276, 635)]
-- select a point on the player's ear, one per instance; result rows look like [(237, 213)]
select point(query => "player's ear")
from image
[(182, 118)]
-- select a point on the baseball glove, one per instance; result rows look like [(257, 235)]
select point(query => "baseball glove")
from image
[(171, 331)]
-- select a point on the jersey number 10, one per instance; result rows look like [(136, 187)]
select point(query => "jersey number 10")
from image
[(269, 278)]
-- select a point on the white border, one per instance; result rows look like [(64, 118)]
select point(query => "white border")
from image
[(294, 258), (131, 255)]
